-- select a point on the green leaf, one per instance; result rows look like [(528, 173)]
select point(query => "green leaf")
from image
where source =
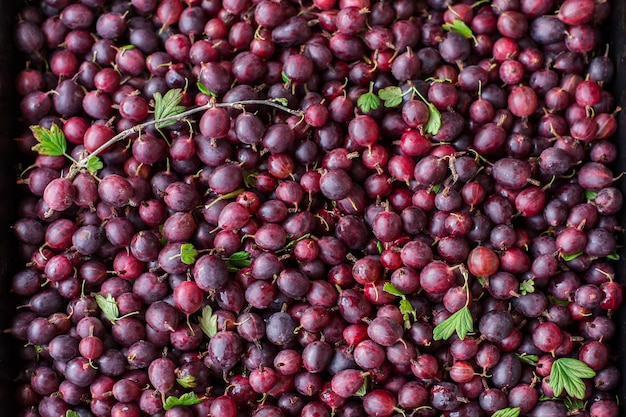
[(71, 413), (507, 412), (557, 301), (392, 96), (568, 374), (380, 247), (591, 195), (573, 405), (126, 47), (108, 306), (368, 101), (438, 80), (188, 253), (613, 256), (51, 142), (434, 121), (407, 309), (483, 281), (576, 367), (187, 399), (281, 100), (208, 322), (204, 90), (528, 359), (238, 260), (363, 390), (284, 77), (389, 288), (459, 27), (94, 164), (162, 238), (527, 286), (571, 257), (187, 382), (249, 178), (436, 188), (167, 106), (460, 322)]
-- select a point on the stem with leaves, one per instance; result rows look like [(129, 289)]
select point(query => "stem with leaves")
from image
[(167, 111), (177, 96)]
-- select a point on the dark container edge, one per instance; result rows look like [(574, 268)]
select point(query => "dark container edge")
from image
[(615, 35), (8, 115)]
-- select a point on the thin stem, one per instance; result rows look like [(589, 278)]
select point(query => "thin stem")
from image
[(263, 103), (136, 129)]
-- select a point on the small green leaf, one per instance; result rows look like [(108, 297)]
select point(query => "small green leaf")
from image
[(528, 359), (249, 178), (483, 281), (507, 412), (590, 194), (392, 96), (434, 121), (527, 286), (436, 188), (187, 399), (460, 322), (204, 90), (438, 80), (380, 247), (126, 47), (167, 106), (208, 322), (162, 238), (71, 413), (568, 374), (284, 77), (571, 257), (51, 142), (363, 390), (281, 100), (613, 256), (459, 27), (94, 164), (573, 405), (187, 382), (389, 288), (407, 309), (188, 253), (557, 301), (368, 102), (238, 260), (108, 306)]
